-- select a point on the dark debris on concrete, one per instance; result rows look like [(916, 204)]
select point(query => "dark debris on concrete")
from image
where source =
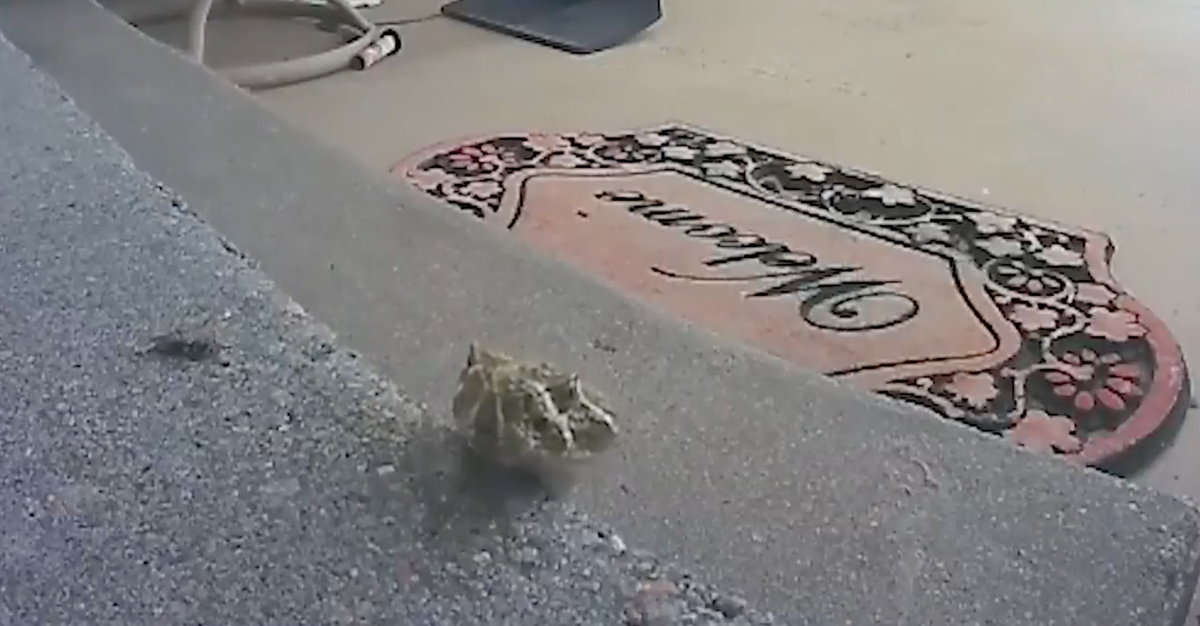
[(181, 444), (136, 488)]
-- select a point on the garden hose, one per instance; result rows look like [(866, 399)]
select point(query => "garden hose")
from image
[(276, 73)]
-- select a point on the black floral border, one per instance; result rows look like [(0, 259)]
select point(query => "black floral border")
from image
[(1085, 365)]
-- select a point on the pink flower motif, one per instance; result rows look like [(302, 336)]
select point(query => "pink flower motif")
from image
[(468, 159), (1033, 318), (483, 188), (1119, 325), (1042, 432), (429, 179), (589, 139), (475, 158), (1094, 293), (653, 140), (1088, 377), (974, 389), (565, 160), (546, 143)]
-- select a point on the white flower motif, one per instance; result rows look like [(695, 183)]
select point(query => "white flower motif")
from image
[(977, 390), (429, 179), (928, 231), (652, 140), (891, 195), (991, 223), (565, 160), (1119, 325), (1060, 256), (1094, 293), (728, 169), (483, 188), (1034, 318), (546, 143), (1001, 247), (724, 149), (679, 153), (809, 170)]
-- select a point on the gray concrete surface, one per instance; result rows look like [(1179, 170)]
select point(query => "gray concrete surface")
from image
[(1074, 116), (1072, 111), (823, 504), (281, 481)]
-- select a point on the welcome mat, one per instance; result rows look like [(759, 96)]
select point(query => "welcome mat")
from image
[(1002, 321)]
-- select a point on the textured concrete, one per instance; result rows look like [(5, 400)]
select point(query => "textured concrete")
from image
[(824, 505), (1072, 111), (279, 482)]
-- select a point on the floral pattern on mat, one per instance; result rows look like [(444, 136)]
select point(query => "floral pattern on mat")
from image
[(1094, 374)]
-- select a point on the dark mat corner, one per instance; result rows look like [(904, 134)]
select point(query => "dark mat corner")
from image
[(576, 26)]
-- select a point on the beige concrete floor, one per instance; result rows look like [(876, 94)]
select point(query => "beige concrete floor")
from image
[(1081, 111)]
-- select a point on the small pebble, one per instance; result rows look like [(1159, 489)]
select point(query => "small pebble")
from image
[(617, 544), (728, 605)]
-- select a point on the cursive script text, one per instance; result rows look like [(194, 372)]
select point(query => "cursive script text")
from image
[(832, 297)]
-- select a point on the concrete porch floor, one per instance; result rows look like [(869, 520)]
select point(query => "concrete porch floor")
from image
[(1070, 111)]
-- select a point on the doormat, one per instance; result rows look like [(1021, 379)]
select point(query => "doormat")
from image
[(1008, 323)]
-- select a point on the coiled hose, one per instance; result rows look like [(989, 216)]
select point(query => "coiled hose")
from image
[(273, 74)]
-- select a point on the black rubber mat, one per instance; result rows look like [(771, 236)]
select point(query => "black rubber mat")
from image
[(576, 26)]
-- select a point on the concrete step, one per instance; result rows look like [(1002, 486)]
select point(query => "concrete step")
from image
[(823, 504), (270, 477)]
